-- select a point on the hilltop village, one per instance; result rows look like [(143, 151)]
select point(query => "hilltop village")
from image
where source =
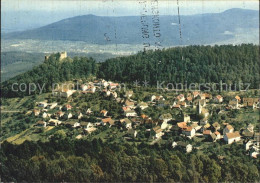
[(183, 116)]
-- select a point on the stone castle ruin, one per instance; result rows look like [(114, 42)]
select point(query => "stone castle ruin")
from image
[(61, 55)]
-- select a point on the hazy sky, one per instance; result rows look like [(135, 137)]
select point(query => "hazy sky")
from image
[(25, 14), (124, 7)]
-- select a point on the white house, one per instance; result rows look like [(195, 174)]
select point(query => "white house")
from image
[(45, 115), (54, 122), (185, 146), (174, 144), (254, 152), (52, 105), (114, 94), (180, 98), (84, 87), (107, 93), (232, 137), (248, 145), (91, 89), (66, 93), (41, 124), (104, 83), (130, 113), (129, 94), (127, 123), (219, 99), (228, 129), (186, 118), (189, 131), (157, 98), (165, 117), (72, 124), (142, 105), (103, 112), (218, 136), (67, 115), (88, 111), (36, 112), (158, 132), (188, 148), (86, 125)]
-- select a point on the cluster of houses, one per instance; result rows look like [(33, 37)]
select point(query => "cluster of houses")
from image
[(184, 126)]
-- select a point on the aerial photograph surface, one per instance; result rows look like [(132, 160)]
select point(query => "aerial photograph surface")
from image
[(130, 91)]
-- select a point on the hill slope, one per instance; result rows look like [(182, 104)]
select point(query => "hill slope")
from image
[(192, 64), (196, 29)]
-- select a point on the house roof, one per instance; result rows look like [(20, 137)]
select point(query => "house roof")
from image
[(213, 136), (129, 92), (176, 106), (157, 129), (207, 125), (70, 123), (106, 120), (251, 100), (219, 97), (158, 97), (129, 103), (180, 96), (181, 103), (187, 128), (68, 106), (216, 125), (142, 104), (194, 125), (189, 98), (182, 124), (113, 84), (229, 127), (207, 95), (206, 132), (232, 135), (250, 125), (126, 108), (217, 133), (40, 122), (144, 116), (59, 113), (237, 97), (103, 111), (126, 120), (195, 93), (132, 111)]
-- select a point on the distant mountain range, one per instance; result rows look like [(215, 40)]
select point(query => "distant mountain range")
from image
[(195, 29)]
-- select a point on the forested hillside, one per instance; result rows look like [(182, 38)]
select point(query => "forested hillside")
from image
[(63, 159), (191, 64), (50, 72), (194, 64), (196, 29)]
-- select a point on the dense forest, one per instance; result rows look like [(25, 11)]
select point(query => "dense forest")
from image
[(63, 159), (50, 72), (191, 64)]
